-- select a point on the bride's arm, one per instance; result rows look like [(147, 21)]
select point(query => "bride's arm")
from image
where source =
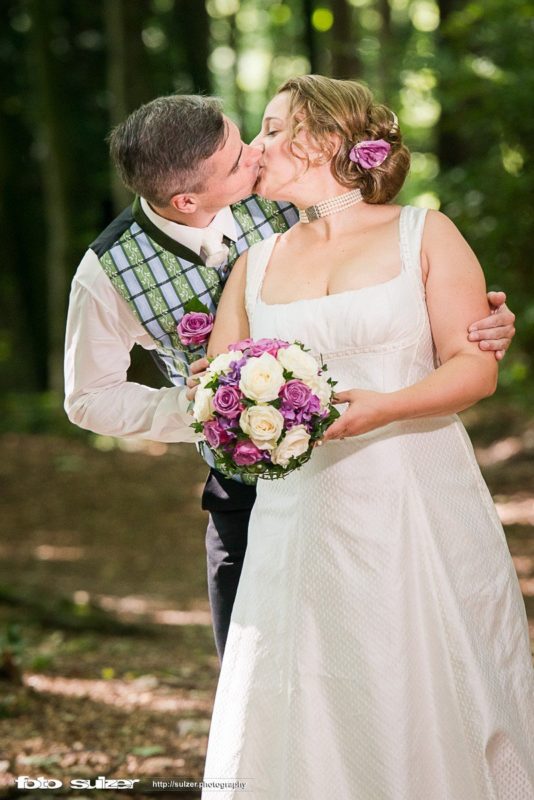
[(455, 294), (231, 321)]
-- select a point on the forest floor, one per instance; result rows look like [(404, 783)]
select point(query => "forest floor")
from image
[(108, 666)]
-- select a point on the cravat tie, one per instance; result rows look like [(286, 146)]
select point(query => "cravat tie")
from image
[(213, 250)]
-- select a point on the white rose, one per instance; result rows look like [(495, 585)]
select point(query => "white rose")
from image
[(295, 360), (262, 378), (295, 443), (263, 424), (320, 387), (221, 363), (203, 407), (205, 378)]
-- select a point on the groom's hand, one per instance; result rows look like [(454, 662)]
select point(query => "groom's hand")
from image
[(197, 369), (496, 331)]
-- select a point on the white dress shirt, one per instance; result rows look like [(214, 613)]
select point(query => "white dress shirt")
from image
[(101, 331)]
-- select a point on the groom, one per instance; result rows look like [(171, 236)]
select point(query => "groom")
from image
[(193, 215)]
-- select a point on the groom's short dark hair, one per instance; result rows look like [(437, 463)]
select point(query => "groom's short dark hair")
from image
[(160, 148)]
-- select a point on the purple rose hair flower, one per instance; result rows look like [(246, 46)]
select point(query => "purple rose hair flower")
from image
[(195, 327), (227, 401), (370, 153), (216, 434), (246, 453), (295, 393)]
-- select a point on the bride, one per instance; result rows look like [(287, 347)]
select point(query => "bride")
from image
[(378, 648)]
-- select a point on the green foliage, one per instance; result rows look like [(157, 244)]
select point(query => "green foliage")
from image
[(462, 89), (11, 651), (487, 69)]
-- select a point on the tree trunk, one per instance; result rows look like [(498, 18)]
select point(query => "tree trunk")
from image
[(346, 61), (239, 105), (194, 31), (310, 39), (451, 148), (55, 178), (387, 75), (128, 74), (117, 79)]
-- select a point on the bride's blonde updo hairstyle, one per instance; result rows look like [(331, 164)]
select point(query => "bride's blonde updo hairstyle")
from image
[(324, 106)]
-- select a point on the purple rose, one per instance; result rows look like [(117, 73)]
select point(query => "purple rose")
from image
[(301, 416), (228, 424), (242, 345), (216, 434), (227, 401), (195, 327), (314, 405), (246, 453), (295, 393), (233, 377), (370, 153), (271, 346)]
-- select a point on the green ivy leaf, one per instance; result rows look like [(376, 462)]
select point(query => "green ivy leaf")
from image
[(196, 305)]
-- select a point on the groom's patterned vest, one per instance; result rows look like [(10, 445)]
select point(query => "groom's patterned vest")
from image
[(157, 276)]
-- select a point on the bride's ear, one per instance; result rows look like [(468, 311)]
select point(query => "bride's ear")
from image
[(324, 152)]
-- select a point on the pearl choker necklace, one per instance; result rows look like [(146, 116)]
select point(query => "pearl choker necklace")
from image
[(332, 206)]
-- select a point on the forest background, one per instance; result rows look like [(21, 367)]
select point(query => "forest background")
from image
[(460, 74), (107, 662)]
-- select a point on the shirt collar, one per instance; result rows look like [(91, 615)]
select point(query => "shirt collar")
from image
[(188, 236)]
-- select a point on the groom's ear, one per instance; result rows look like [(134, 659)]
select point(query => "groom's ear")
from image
[(185, 203)]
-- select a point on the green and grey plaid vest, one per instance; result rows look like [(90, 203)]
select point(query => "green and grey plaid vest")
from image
[(157, 276)]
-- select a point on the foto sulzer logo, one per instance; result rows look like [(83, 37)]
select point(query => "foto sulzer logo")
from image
[(25, 782)]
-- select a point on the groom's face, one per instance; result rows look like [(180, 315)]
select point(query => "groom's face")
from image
[(231, 171)]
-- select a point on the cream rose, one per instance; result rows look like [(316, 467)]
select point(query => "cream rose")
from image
[(203, 406), (221, 363), (295, 360), (204, 378), (295, 443), (263, 424), (320, 387), (262, 378)]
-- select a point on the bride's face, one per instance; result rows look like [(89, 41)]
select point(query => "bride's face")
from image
[(279, 168)]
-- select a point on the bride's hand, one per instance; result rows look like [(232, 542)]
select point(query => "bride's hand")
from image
[(366, 411)]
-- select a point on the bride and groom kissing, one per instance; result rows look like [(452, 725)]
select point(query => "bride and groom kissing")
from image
[(377, 646)]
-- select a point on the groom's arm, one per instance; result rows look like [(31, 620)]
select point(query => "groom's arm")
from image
[(101, 332)]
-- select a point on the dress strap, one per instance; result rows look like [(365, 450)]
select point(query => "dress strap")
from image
[(411, 225), (258, 257)]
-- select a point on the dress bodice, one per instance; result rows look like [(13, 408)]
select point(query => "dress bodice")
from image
[(376, 337)]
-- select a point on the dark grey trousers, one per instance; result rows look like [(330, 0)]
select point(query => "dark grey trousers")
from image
[(229, 504)]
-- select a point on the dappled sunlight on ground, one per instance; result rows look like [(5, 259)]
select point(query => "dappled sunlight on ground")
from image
[(102, 565), (144, 692), (516, 510), (151, 610)]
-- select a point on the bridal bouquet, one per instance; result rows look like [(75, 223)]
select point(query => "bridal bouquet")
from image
[(262, 406)]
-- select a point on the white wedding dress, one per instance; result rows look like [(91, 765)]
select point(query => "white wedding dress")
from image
[(378, 648)]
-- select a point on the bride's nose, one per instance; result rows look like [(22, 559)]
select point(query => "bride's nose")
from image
[(254, 153), (256, 142)]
